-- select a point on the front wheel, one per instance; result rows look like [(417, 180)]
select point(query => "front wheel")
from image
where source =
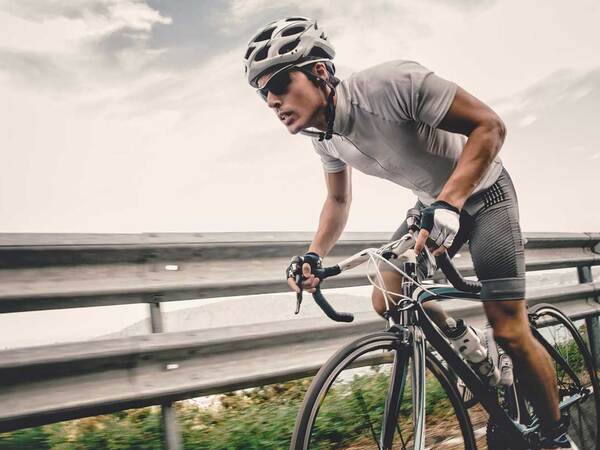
[(362, 399)]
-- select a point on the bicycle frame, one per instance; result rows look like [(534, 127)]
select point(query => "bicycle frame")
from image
[(420, 328), (409, 320)]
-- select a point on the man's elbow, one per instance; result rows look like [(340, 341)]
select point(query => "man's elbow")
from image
[(501, 130), (341, 200), (492, 130), (497, 128)]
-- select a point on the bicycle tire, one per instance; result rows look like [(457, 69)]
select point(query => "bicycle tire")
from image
[(584, 414), (344, 359)]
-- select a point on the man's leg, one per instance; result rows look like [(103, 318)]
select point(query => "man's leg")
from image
[(532, 363), (511, 330), (498, 255), (393, 282)]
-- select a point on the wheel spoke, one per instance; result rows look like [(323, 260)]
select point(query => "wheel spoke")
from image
[(572, 363), (361, 401), (402, 441), (347, 405)]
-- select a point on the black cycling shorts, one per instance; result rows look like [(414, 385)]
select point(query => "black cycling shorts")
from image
[(489, 222)]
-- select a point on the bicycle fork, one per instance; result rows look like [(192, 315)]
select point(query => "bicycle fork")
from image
[(411, 346), (418, 388)]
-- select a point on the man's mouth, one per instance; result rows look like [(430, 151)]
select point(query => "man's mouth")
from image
[(286, 117)]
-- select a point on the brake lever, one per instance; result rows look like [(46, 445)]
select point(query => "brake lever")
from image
[(298, 294)]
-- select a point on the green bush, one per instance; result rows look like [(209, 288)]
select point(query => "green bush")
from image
[(261, 418)]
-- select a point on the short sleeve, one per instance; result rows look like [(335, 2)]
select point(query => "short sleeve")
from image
[(331, 164), (434, 99), (407, 91)]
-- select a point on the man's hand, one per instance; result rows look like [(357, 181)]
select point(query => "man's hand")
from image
[(439, 222), (306, 264)]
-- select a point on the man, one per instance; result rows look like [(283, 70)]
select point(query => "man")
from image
[(401, 122)]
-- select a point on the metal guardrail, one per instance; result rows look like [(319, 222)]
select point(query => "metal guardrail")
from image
[(46, 384), (39, 277)]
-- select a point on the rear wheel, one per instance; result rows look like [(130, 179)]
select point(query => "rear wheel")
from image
[(576, 376), (367, 384)]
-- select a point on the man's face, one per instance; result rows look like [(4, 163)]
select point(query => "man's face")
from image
[(297, 105)]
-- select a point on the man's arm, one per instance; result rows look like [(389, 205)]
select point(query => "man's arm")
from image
[(332, 222), (334, 214), (485, 131)]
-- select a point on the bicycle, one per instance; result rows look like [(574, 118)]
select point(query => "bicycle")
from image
[(357, 398)]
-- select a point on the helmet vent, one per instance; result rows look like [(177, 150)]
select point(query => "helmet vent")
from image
[(262, 53), (264, 36), (248, 52), (291, 31), (294, 19), (289, 47)]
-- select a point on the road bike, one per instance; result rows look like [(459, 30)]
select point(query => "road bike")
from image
[(407, 388)]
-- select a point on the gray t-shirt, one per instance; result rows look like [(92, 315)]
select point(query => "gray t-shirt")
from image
[(386, 119)]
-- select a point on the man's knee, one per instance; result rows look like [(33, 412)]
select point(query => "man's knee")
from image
[(392, 282), (378, 301), (514, 338), (510, 324)]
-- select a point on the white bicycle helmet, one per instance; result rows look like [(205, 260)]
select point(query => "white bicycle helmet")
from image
[(285, 41)]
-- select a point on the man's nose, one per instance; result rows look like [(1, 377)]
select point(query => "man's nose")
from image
[(273, 101)]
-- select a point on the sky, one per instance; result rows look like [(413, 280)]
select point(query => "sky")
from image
[(134, 116)]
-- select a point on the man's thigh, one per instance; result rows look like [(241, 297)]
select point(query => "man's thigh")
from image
[(496, 242)]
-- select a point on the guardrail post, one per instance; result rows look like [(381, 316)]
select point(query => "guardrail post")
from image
[(172, 434), (156, 323), (584, 273)]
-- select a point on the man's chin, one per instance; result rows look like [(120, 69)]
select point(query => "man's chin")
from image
[(294, 129)]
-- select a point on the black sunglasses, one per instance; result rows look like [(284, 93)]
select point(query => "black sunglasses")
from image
[(279, 82)]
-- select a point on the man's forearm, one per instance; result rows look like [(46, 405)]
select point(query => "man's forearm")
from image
[(483, 145), (332, 222)]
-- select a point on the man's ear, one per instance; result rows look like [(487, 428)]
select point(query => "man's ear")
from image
[(321, 70)]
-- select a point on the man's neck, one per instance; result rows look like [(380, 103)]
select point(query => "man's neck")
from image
[(320, 122)]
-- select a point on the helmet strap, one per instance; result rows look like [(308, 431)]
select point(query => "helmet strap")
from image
[(329, 111), (330, 108)]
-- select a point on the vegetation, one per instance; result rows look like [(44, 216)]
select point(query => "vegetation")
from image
[(261, 418)]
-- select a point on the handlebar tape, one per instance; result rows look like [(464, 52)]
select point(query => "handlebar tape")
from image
[(329, 310), (323, 303), (454, 277)]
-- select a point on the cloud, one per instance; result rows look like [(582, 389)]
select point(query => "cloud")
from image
[(119, 40), (554, 159), (136, 13), (527, 120), (36, 69), (468, 5), (105, 44), (153, 94), (199, 32), (64, 44), (52, 9), (564, 90)]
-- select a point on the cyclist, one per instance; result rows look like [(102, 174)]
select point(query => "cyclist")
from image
[(401, 122)]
